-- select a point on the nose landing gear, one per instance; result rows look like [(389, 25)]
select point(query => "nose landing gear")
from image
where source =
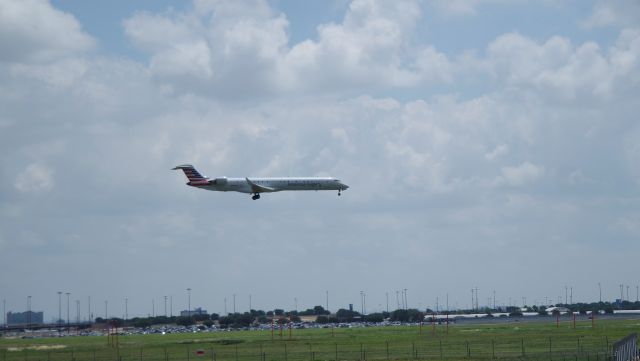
[(255, 196), (339, 190)]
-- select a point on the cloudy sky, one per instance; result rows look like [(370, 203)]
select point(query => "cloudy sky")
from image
[(488, 143)]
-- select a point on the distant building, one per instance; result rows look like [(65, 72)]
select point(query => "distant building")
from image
[(24, 318), (195, 311), (618, 302)]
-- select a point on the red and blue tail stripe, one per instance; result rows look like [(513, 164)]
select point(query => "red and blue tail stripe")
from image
[(195, 178)]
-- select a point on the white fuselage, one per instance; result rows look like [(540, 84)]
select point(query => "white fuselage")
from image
[(255, 186), (272, 184)]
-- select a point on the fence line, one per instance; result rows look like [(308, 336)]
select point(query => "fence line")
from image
[(626, 349), (559, 348)]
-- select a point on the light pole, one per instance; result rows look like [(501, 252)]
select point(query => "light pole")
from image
[(494, 300), (571, 295), (600, 291), (362, 302), (473, 302), (327, 296), (628, 299), (621, 292), (189, 301), (249, 302), (165, 306), (106, 308), (4, 311), (234, 303), (59, 308), (28, 311), (77, 311), (404, 298), (68, 293), (126, 310), (387, 296), (406, 301)]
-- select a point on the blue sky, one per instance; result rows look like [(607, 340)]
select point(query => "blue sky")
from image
[(487, 143)]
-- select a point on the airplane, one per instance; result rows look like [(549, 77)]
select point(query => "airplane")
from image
[(255, 186)]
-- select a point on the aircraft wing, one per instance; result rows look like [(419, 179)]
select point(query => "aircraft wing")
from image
[(256, 188)]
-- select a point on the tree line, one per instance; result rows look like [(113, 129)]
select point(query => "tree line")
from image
[(280, 316)]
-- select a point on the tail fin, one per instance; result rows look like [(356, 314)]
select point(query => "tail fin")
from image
[(195, 178)]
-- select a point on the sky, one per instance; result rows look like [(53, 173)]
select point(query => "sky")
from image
[(487, 144)]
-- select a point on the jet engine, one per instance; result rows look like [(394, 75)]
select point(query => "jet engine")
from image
[(220, 181)]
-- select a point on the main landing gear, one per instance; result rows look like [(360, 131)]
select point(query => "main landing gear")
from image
[(339, 190), (255, 196)]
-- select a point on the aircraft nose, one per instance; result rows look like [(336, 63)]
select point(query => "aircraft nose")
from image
[(344, 186)]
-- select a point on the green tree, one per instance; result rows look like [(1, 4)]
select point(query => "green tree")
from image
[(141, 322), (319, 310), (374, 317), (201, 317), (410, 315), (346, 315), (185, 321), (116, 322)]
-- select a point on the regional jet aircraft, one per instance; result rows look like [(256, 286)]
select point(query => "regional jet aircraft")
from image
[(255, 186)]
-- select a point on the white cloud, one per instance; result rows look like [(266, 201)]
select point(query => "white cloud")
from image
[(366, 49), (35, 178), (456, 7), (629, 224), (34, 31), (497, 152), (212, 48), (614, 13), (520, 175), (559, 69), (550, 141), (631, 142), (470, 7)]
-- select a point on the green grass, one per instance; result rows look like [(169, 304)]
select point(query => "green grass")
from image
[(515, 341)]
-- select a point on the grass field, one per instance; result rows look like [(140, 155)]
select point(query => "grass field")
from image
[(513, 341)]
